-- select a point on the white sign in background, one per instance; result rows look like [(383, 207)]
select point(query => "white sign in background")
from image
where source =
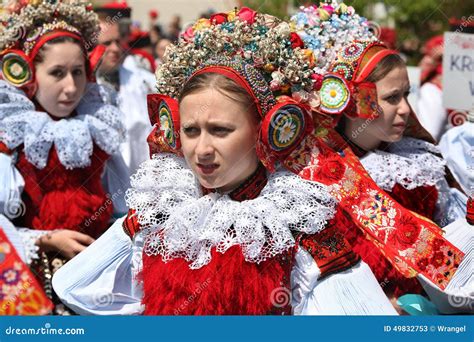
[(458, 71)]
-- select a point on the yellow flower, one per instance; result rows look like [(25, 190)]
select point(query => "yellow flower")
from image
[(202, 24), (308, 54), (231, 16), (323, 14), (342, 9)]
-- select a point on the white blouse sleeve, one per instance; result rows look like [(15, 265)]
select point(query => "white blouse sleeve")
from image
[(101, 280), (431, 113), (355, 291), (116, 181), (11, 187)]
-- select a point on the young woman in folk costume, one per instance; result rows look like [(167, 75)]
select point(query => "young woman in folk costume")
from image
[(228, 224), (207, 218), (58, 130), (368, 84)]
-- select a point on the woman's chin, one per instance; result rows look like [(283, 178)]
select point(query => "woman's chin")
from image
[(395, 137), (61, 113)]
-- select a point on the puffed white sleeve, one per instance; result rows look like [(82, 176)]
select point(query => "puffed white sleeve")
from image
[(11, 187), (102, 279), (354, 291)]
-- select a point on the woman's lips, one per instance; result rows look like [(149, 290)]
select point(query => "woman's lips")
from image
[(207, 168), (67, 103), (400, 126)]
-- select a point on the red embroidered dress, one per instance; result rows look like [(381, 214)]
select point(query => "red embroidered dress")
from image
[(58, 198)]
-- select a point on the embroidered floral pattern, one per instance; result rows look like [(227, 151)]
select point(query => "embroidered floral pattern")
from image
[(405, 238), (20, 293)]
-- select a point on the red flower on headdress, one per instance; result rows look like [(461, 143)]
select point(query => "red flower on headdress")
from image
[(218, 18), (318, 81), (330, 171), (407, 232), (296, 40), (247, 14)]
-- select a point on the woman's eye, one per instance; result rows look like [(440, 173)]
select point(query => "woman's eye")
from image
[(221, 130), (77, 72), (57, 73), (393, 99), (190, 131)]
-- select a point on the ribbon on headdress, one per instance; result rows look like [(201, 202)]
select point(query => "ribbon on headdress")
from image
[(412, 243)]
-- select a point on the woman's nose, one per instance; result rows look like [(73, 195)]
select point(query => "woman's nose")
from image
[(404, 108), (204, 147), (70, 86)]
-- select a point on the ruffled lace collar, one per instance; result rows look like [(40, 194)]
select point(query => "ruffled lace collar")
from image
[(409, 162), (98, 121), (179, 221)]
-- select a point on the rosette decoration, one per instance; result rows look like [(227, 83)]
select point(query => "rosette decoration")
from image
[(259, 52)]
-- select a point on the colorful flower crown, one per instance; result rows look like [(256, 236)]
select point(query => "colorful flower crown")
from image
[(329, 31), (263, 41), (260, 53)]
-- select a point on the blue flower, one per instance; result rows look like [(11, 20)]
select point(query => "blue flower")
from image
[(312, 42)]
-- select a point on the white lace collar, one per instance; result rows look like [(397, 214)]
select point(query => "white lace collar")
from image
[(98, 121), (181, 222), (409, 162)]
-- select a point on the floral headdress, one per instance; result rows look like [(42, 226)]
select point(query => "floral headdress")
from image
[(260, 53), (327, 30), (28, 24)]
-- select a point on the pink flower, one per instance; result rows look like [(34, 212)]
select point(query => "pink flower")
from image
[(188, 35), (328, 9), (248, 15)]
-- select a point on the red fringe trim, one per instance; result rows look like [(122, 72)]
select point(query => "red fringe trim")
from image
[(228, 285)]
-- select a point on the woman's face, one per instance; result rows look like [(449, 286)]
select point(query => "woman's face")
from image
[(61, 78), (218, 138), (392, 93)]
